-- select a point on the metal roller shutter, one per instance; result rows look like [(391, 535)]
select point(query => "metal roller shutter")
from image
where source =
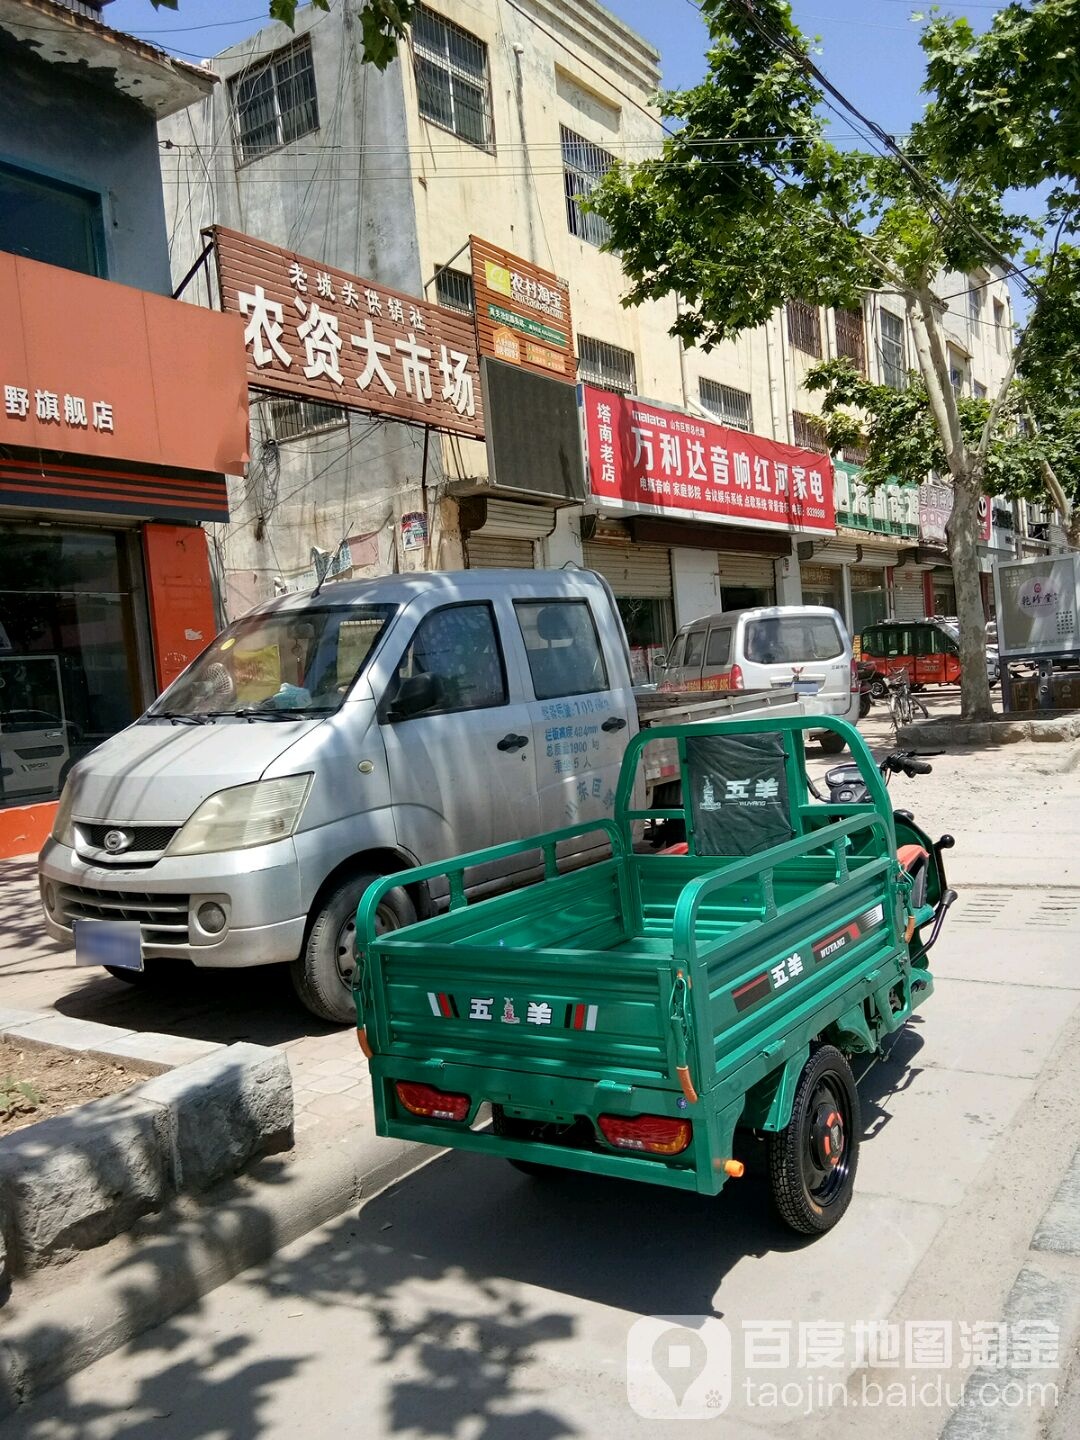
[(908, 602), (750, 570), (642, 572), (497, 552)]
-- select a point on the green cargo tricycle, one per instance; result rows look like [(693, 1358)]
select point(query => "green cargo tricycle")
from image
[(644, 1016)]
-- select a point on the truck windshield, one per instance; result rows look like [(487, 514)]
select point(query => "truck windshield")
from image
[(298, 661), (793, 640)]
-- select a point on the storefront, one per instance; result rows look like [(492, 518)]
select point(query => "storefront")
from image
[(105, 592), (693, 517)]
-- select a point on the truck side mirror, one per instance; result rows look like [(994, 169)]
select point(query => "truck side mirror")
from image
[(660, 663), (415, 695)]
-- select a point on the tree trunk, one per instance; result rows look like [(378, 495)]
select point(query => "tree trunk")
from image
[(1072, 534), (963, 536)]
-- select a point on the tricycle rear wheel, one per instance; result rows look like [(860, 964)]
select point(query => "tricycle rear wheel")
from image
[(812, 1161)]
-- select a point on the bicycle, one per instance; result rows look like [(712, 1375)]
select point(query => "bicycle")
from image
[(902, 704)]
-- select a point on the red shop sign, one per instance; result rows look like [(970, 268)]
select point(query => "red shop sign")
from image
[(650, 460)]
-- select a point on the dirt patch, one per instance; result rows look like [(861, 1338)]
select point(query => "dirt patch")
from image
[(37, 1081)]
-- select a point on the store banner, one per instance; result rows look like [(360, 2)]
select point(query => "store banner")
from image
[(107, 374), (522, 312), (935, 507), (651, 460), (317, 333)]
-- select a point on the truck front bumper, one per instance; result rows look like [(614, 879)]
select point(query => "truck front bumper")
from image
[(175, 901)]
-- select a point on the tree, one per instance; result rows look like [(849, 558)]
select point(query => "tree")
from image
[(750, 204), (382, 23)]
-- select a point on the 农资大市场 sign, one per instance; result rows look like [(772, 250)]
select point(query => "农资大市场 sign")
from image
[(317, 333)]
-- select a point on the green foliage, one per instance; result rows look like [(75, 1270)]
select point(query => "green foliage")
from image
[(17, 1097), (383, 23)]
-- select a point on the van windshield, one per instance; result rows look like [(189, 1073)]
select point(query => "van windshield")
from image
[(281, 661), (793, 640)]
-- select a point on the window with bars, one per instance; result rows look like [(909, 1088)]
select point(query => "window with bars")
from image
[(804, 327), (975, 299), (851, 338), (999, 327), (854, 454), (729, 406), (584, 166), (275, 102), (453, 84), (893, 367), (294, 419), (453, 288), (809, 431), (606, 366)]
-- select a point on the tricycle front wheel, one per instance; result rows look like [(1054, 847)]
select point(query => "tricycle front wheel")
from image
[(812, 1162)]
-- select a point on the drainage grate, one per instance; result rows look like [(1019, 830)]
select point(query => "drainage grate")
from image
[(1020, 909)]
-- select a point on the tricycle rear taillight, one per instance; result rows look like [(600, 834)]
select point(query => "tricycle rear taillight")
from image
[(856, 683), (436, 1104), (653, 1133)]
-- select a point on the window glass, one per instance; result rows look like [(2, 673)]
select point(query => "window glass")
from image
[(68, 669), (695, 648), (276, 102), (719, 651), (458, 647), (563, 647), (675, 654), (45, 220), (452, 86), (584, 166), (793, 640)]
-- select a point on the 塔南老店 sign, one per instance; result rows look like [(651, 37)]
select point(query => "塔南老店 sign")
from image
[(648, 459), (522, 312), (318, 333)]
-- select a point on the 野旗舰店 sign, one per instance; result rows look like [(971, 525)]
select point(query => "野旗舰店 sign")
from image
[(522, 312), (650, 460), (318, 333)]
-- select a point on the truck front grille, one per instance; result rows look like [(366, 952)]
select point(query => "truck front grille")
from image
[(163, 918)]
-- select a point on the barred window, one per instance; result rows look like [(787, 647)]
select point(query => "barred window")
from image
[(453, 86), (851, 338), (584, 166), (275, 102), (854, 454), (606, 366), (809, 431), (730, 406), (453, 288), (293, 419), (804, 327), (893, 367)]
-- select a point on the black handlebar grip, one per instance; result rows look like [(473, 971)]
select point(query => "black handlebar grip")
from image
[(917, 767)]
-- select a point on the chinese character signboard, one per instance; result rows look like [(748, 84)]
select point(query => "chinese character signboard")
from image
[(1037, 606), (651, 460), (101, 370), (935, 507), (317, 333), (522, 312)]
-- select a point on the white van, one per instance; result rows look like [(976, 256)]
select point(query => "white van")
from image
[(801, 647)]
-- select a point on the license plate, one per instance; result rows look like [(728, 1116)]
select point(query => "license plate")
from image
[(109, 942), (806, 687)]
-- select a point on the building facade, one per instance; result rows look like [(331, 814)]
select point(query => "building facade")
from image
[(104, 478), (496, 121)]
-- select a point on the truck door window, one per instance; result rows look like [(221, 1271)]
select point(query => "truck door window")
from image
[(719, 648), (674, 659), (454, 662), (563, 647), (695, 648)]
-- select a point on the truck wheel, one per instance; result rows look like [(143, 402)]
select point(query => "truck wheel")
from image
[(322, 977), (812, 1162), (832, 743)]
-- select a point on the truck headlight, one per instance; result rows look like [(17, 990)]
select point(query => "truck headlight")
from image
[(246, 815), (63, 831)]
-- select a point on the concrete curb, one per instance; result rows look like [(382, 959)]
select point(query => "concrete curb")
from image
[(1005, 730), (172, 1262)]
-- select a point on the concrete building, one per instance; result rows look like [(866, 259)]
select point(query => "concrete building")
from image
[(496, 118), (106, 591)]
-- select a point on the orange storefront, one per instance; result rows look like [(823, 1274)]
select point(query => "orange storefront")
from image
[(121, 413)]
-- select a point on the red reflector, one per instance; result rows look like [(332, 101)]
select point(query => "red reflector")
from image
[(856, 683), (735, 680), (426, 1100), (654, 1133)]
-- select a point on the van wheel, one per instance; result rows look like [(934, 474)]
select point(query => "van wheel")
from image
[(831, 743), (322, 977), (812, 1162)]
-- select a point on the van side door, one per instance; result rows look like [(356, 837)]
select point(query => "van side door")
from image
[(457, 734)]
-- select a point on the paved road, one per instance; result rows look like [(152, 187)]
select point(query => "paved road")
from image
[(471, 1301)]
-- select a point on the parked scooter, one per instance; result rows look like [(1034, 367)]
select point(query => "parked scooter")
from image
[(868, 677)]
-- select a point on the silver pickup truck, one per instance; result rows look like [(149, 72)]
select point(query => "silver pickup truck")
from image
[(328, 739)]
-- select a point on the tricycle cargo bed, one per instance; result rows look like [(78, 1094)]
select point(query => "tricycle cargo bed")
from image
[(684, 987)]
